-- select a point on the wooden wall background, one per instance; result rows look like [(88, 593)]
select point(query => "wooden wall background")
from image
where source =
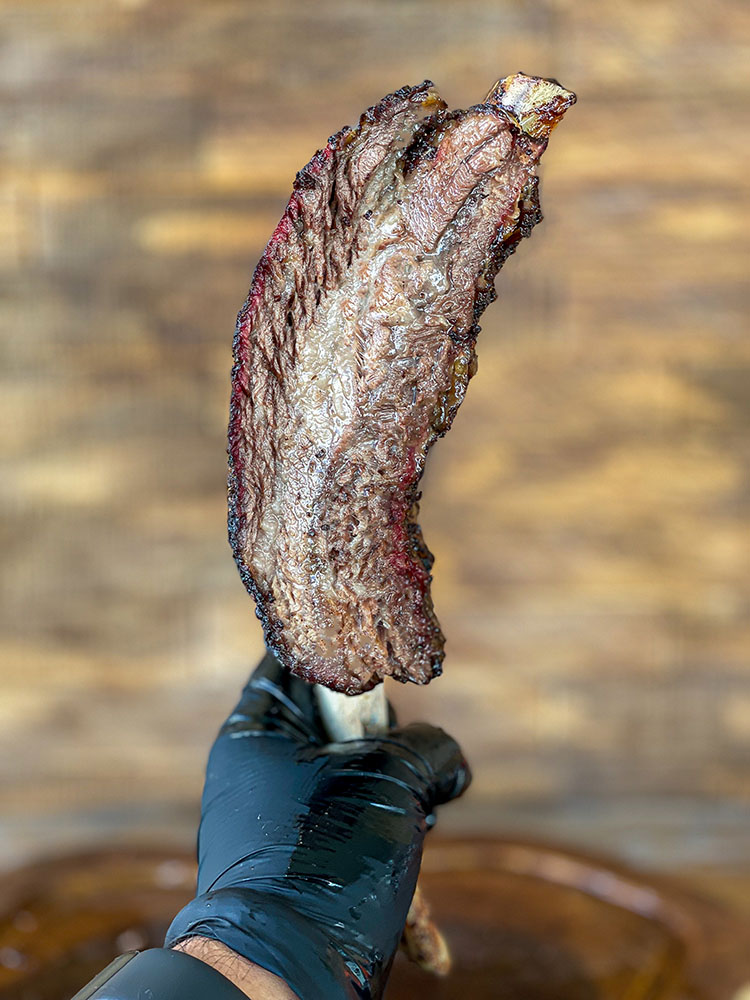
[(588, 512)]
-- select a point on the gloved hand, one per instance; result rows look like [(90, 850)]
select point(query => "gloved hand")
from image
[(308, 850)]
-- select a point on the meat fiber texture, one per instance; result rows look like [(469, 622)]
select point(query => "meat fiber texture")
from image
[(353, 353)]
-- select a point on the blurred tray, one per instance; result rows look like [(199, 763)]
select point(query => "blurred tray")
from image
[(526, 922)]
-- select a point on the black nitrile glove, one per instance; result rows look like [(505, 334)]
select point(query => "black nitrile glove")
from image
[(308, 850)]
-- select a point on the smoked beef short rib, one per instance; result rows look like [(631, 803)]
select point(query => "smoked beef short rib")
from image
[(353, 352)]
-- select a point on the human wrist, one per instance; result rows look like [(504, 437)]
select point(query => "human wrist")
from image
[(303, 951), (254, 981)]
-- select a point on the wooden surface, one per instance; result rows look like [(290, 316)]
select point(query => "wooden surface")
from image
[(525, 922), (588, 511)]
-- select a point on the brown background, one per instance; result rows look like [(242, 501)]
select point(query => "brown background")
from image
[(588, 512)]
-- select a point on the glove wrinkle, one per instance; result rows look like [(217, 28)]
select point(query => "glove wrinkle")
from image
[(308, 850)]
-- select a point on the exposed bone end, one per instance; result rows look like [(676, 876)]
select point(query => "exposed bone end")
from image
[(351, 717), (536, 104), (423, 941), (432, 101)]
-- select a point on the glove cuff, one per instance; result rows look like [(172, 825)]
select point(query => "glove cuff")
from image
[(268, 932)]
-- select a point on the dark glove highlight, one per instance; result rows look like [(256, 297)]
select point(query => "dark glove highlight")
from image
[(309, 851)]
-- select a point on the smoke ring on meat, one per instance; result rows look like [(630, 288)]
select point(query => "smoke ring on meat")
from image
[(352, 355)]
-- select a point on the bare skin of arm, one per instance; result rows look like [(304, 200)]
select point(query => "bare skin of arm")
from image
[(255, 982)]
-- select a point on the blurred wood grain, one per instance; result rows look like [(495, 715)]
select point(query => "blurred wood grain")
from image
[(588, 512)]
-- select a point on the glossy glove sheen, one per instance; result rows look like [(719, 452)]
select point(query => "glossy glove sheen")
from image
[(309, 851)]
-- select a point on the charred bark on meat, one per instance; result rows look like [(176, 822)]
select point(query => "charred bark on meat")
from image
[(352, 355)]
